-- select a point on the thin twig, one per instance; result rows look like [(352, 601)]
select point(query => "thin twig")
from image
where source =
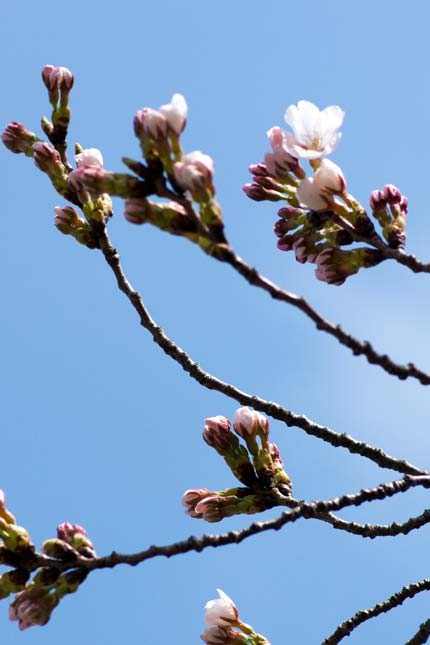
[(205, 379), (345, 628), (422, 635), (377, 530)]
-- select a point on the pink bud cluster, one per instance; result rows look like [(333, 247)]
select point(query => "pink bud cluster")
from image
[(258, 466), (390, 207), (76, 536)]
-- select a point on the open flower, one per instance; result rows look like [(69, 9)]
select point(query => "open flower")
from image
[(222, 611), (315, 132)]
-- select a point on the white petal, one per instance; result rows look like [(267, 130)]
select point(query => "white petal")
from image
[(330, 177), (309, 195)]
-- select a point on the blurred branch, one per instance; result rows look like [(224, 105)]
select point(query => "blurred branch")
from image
[(345, 628), (422, 634), (358, 347), (207, 380)]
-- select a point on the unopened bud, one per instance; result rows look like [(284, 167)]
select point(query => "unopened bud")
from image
[(76, 536), (60, 550), (175, 113), (18, 139), (195, 173)]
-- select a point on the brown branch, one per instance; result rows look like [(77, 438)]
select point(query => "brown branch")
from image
[(422, 635), (377, 530), (410, 261), (345, 628), (205, 379), (306, 510), (358, 347)]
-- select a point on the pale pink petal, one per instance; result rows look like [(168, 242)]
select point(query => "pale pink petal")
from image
[(309, 195)]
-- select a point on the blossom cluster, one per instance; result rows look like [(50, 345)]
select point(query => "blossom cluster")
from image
[(35, 599), (321, 217), (179, 179), (256, 464), (224, 625)]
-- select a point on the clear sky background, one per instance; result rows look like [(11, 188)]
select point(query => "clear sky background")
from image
[(100, 428)]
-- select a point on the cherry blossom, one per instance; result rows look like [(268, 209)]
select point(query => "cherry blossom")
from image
[(315, 132)]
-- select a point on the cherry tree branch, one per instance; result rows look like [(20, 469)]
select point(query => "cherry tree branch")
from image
[(205, 379), (422, 635), (358, 347), (320, 510), (410, 261), (397, 599)]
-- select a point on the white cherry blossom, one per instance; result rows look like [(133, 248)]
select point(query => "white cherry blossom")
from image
[(315, 132), (222, 611)]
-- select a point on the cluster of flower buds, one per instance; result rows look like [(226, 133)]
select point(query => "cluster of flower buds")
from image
[(389, 208), (35, 600), (35, 604), (159, 134), (318, 206), (166, 173), (71, 542), (257, 465), (224, 625)]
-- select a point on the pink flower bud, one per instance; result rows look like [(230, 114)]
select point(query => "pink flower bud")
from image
[(32, 607), (89, 157), (149, 123), (76, 536), (195, 172), (67, 219), (244, 420), (258, 169), (2, 498), (192, 497), (222, 611), (217, 433), (46, 157), (175, 113), (18, 139), (57, 78)]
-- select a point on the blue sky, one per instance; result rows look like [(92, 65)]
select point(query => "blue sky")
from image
[(99, 427)]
